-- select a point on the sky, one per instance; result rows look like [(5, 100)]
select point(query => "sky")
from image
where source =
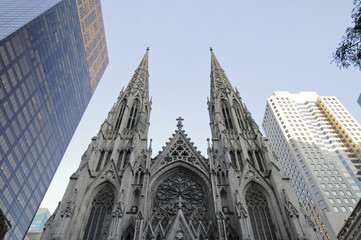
[(263, 46)]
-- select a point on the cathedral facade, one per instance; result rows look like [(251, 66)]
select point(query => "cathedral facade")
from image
[(120, 192)]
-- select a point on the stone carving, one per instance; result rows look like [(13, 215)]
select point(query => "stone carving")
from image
[(179, 191), (221, 81), (307, 218), (290, 208), (251, 174), (109, 174), (66, 216), (117, 216), (179, 235), (69, 210), (241, 211), (180, 151), (117, 212)]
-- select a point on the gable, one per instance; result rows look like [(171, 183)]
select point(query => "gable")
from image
[(179, 149)]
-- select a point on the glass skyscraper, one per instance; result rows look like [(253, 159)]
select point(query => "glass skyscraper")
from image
[(39, 221), (52, 56)]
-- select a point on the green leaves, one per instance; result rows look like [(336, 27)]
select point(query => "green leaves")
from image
[(349, 49)]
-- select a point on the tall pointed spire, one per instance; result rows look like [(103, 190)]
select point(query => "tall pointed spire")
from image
[(144, 63), (214, 62), (139, 81), (219, 80)]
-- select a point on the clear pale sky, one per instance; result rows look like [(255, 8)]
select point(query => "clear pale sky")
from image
[(263, 46)]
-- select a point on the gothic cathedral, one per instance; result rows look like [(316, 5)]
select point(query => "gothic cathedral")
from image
[(120, 192)]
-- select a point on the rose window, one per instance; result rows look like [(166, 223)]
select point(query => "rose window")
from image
[(179, 192)]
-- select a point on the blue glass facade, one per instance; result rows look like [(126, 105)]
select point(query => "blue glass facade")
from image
[(16, 13), (39, 221), (45, 86)]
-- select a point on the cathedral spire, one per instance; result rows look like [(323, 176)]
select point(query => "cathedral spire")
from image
[(214, 62), (139, 80), (144, 63), (219, 80)]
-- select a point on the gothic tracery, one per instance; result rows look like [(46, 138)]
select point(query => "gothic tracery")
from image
[(180, 191), (99, 218)]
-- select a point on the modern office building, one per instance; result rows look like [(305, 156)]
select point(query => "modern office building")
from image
[(52, 56), (317, 143), (42, 215), (37, 225)]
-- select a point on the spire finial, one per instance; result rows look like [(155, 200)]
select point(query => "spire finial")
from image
[(147, 49), (179, 125), (211, 49)]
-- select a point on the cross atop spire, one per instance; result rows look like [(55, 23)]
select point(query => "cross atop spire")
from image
[(179, 125)]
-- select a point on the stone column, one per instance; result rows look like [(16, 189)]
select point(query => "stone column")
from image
[(116, 222), (242, 216)]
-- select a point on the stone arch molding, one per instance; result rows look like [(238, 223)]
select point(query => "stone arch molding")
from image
[(252, 175), (108, 174), (180, 199), (256, 191)]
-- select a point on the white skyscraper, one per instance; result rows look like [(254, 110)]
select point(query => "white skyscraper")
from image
[(318, 146)]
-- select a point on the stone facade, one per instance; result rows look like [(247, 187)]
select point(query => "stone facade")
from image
[(120, 192), (352, 226)]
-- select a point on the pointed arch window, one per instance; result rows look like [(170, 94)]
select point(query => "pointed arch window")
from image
[(108, 157), (120, 116), (133, 115), (261, 222), (126, 160), (226, 115), (240, 161), (233, 158), (238, 114), (259, 161), (120, 158), (250, 155), (100, 160), (100, 215)]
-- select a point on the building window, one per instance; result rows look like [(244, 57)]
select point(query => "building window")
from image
[(100, 214), (262, 225), (233, 158), (259, 161), (133, 115), (238, 113), (100, 160), (250, 155), (120, 158), (108, 158), (126, 160), (120, 116), (240, 162), (226, 115)]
